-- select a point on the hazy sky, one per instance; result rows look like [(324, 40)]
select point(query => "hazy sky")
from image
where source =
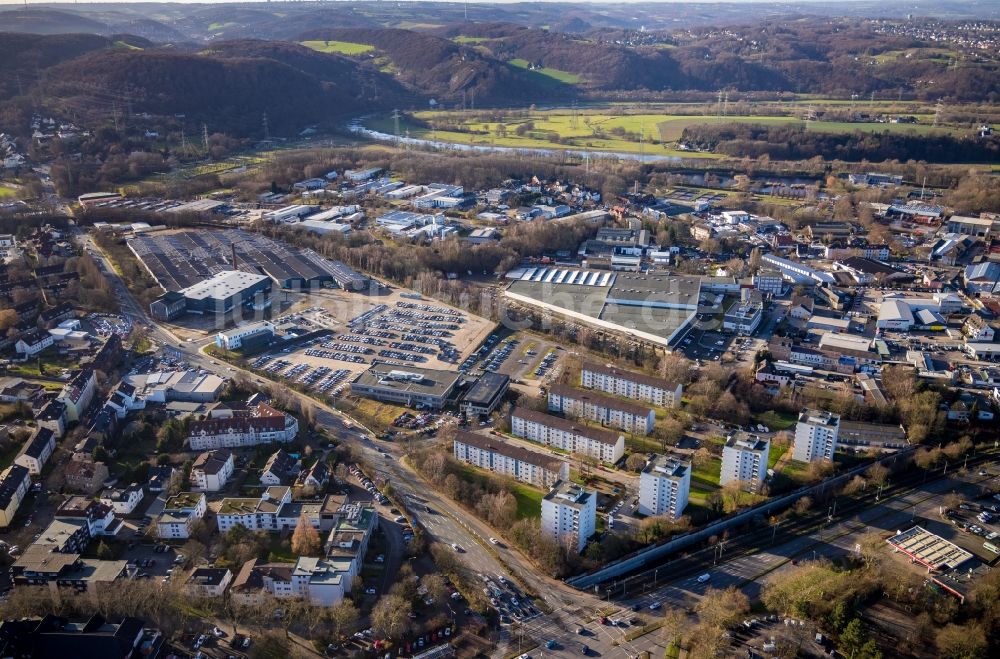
[(212, 2)]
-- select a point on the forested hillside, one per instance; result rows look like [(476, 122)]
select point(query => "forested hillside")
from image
[(797, 143), (438, 67)]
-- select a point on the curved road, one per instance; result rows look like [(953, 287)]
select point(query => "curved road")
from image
[(569, 606)]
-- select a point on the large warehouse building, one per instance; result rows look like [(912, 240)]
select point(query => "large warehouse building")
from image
[(652, 307), (218, 295)]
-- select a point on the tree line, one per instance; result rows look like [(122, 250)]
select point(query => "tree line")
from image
[(797, 143)]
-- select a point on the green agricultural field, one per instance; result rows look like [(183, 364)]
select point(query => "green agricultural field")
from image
[(6, 191), (610, 128), (552, 130), (564, 77), (671, 129), (939, 55), (340, 47), (464, 39)]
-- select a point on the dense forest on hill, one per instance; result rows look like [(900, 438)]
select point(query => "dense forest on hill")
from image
[(798, 143), (88, 79), (235, 92), (440, 68), (837, 57), (23, 57)]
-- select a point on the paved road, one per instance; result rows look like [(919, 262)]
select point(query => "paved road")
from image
[(445, 524)]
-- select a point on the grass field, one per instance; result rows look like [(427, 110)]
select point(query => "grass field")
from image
[(579, 137), (939, 55), (564, 77), (672, 128), (705, 480), (775, 454), (340, 47), (464, 39), (610, 128), (529, 501), (776, 421), (6, 191)]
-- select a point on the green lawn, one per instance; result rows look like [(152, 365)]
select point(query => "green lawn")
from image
[(565, 77), (279, 553), (776, 421), (529, 501), (939, 55), (6, 191), (52, 363), (706, 477), (775, 454), (795, 470), (341, 47)]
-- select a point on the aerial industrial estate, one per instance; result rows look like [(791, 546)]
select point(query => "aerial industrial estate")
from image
[(661, 339)]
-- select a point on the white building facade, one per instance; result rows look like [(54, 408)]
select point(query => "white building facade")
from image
[(744, 459), (816, 435), (599, 443), (664, 485), (635, 386), (569, 514), (602, 409), (493, 454)]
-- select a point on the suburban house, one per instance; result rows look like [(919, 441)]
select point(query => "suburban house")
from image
[(122, 500), (36, 451), (211, 470), (209, 581), (14, 483), (84, 474), (180, 514), (278, 468), (33, 342)]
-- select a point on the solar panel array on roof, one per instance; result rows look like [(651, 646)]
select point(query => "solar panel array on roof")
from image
[(560, 276), (930, 549)]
